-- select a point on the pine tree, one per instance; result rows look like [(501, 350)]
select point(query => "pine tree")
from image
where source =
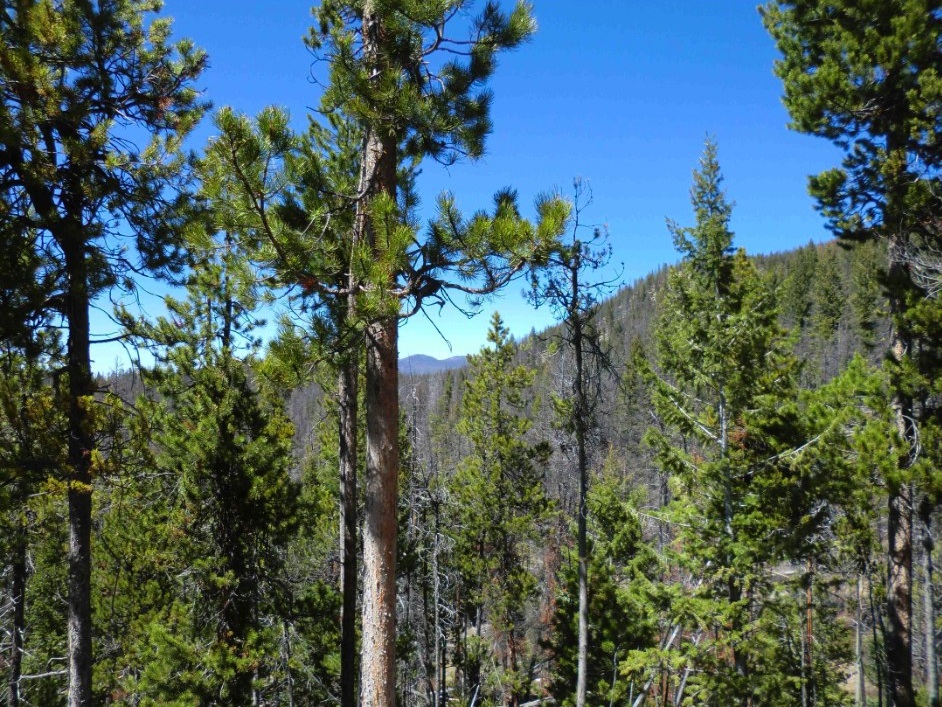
[(227, 444), (867, 76), (499, 505), (563, 284), (77, 80), (383, 87)]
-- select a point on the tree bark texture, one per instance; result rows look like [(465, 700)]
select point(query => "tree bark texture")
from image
[(899, 589), (378, 672), (378, 176), (79, 476), (347, 394)]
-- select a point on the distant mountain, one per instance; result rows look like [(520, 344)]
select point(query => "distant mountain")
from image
[(420, 364)]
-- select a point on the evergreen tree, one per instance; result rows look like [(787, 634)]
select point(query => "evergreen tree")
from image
[(77, 81), (411, 90), (867, 76), (727, 442), (563, 285), (499, 506), (227, 444)]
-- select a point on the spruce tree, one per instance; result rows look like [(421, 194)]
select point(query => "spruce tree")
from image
[(725, 439), (79, 82)]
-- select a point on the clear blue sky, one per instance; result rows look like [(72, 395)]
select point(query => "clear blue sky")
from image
[(619, 93)]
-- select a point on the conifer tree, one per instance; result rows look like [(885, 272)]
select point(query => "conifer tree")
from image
[(412, 90), (499, 503), (79, 81), (563, 285), (228, 445), (868, 76), (727, 441)]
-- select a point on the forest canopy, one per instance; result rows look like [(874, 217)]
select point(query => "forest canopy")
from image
[(715, 485)]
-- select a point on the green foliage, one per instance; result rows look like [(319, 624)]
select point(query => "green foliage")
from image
[(867, 76), (231, 506), (75, 76), (747, 491), (499, 503), (620, 604), (439, 110)]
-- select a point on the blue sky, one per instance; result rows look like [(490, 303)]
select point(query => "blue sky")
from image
[(621, 94)]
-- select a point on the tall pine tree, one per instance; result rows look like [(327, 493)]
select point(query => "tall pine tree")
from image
[(868, 76), (79, 82)]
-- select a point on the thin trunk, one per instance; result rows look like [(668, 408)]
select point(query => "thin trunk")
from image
[(932, 672), (682, 685), (79, 473), (878, 630), (808, 658), (581, 413), (18, 596), (861, 688), (804, 670), (439, 631), (289, 678), (347, 394)]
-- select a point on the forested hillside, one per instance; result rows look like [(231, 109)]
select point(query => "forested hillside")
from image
[(718, 485)]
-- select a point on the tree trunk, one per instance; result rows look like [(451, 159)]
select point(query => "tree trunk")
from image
[(899, 588), (900, 597), (932, 671), (581, 411), (378, 676), (378, 176), (861, 687), (807, 658), (879, 630), (347, 394), (18, 597), (79, 462)]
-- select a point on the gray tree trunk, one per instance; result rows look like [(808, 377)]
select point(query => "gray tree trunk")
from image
[(18, 596), (928, 570), (861, 686), (581, 412)]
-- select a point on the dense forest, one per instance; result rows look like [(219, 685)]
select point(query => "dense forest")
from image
[(717, 485)]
